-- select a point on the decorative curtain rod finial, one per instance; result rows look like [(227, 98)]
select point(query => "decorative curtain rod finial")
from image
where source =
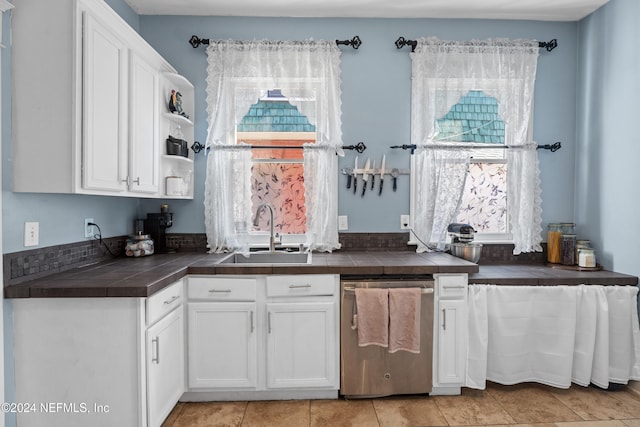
[(402, 42), (359, 147), (354, 42), (550, 45), (551, 147), (196, 41)]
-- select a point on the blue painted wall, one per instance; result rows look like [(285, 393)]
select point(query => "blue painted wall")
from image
[(376, 91), (608, 148)]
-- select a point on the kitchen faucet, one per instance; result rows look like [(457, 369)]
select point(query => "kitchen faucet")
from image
[(256, 219)]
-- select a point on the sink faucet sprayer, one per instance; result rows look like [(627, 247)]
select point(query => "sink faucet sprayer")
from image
[(256, 219)]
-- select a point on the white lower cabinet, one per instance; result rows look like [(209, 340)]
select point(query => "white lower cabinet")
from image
[(261, 337), (451, 337), (99, 361), (301, 345), (165, 366), (222, 345), (450, 333)]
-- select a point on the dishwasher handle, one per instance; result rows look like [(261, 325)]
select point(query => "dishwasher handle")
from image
[(353, 289)]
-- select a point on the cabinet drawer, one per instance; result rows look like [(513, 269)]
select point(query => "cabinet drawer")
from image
[(452, 286), (292, 286), (164, 301), (222, 288)]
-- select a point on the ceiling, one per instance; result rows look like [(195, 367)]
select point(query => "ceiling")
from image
[(539, 10)]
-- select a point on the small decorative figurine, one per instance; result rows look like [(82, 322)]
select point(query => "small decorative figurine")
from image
[(175, 103)]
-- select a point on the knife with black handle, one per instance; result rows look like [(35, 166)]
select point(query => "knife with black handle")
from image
[(349, 173), (373, 175), (365, 177), (355, 175), (384, 159)]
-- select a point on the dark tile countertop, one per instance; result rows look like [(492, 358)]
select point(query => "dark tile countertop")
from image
[(142, 277)]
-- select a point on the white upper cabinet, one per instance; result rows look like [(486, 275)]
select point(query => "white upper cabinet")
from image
[(143, 127), (90, 106), (104, 112)]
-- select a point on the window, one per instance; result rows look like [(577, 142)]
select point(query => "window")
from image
[(475, 159), (272, 94), (277, 174), (475, 120)]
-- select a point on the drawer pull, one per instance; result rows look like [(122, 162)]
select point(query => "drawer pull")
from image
[(213, 291), (453, 287), (299, 286), (172, 299)]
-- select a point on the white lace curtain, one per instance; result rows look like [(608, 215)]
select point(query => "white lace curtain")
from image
[(238, 74), (442, 73)]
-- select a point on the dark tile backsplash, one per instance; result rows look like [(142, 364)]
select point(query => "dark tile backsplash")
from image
[(31, 264), (375, 242)]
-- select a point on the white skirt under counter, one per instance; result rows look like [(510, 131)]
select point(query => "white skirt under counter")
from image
[(554, 335)]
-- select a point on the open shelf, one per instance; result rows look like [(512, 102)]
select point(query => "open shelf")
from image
[(177, 118)]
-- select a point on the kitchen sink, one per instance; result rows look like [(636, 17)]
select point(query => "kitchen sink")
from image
[(278, 257)]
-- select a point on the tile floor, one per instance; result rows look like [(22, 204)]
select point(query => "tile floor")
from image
[(521, 405)]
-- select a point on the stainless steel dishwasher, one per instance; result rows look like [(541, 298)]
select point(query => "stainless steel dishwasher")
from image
[(372, 371)]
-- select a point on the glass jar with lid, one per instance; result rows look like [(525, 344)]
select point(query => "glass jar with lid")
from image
[(587, 257), (554, 242), (581, 244), (139, 245), (568, 249)]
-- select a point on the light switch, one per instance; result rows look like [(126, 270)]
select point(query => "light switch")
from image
[(31, 233)]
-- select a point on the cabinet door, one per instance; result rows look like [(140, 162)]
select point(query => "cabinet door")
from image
[(104, 139), (143, 142), (222, 345), (165, 366), (301, 345), (451, 341)]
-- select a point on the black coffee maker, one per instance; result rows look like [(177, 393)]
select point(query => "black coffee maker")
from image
[(156, 225)]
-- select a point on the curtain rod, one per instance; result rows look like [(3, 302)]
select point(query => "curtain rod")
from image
[(359, 147), (355, 42), (551, 147), (402, 42)]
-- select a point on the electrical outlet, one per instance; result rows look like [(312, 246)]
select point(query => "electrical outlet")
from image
[(405, 222), (31, 233), (343, 222), (88, 229)]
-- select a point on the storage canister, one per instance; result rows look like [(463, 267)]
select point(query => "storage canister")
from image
[(568, 249), (580, 244), (587, 257), (554, 242), (139, 245)]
